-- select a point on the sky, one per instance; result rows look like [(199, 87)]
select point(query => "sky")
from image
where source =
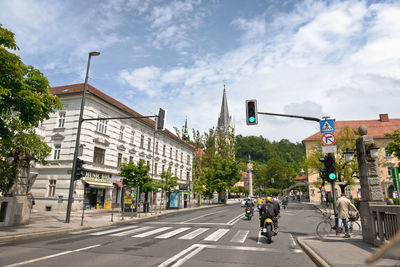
[(308, 58)]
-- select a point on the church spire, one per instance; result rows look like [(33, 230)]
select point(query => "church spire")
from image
[(224, 120), (185, 132)]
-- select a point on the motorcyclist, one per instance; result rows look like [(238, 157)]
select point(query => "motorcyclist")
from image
[(259, 203), (269, 210), (250, 204)]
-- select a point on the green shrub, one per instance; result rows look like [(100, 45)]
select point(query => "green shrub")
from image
[(395, 200)]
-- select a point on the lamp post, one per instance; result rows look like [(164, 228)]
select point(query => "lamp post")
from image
[(78, 134)]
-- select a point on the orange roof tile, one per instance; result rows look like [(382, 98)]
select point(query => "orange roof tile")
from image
[(376, 128), (78, 88)]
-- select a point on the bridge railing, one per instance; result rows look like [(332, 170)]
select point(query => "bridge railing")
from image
[(386, 220)]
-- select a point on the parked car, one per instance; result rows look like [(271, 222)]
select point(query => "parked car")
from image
[(244, 201)]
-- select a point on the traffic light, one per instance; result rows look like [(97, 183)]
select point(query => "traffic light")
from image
[(329, 171), (160, 121), (79, 170), (251, 112), (323, 172), (330, 167)]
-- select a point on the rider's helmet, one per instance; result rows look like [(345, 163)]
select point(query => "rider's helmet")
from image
[(268, 199)]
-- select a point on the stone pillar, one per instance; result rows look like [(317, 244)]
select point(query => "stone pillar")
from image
[(18, 206), (370, 182), (249, 171)]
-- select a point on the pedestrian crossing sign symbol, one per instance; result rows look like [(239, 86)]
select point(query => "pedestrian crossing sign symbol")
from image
[(327, 126)]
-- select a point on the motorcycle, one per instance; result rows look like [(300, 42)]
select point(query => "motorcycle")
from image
[(248, 213), (284, 204), (268, 230)]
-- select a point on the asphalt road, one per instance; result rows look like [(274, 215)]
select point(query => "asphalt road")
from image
[(219, 236)]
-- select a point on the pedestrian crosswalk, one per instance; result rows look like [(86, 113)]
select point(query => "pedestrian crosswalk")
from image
[(182, 233)]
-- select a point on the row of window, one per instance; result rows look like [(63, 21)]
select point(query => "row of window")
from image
[(99, 155)]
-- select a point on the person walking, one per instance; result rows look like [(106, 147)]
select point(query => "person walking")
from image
[(343, 206)]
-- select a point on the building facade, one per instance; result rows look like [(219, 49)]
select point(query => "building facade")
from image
[(104, 145), (376, 129)]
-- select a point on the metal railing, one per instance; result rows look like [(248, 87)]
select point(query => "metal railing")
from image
[(386, 222)]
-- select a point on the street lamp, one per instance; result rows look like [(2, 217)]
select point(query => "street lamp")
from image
[(78, 134)]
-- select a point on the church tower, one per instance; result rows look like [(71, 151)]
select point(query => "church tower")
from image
[(225, 124)]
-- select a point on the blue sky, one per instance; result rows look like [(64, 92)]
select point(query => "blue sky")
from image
[(311, 58)]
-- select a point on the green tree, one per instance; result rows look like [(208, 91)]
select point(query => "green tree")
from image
[(25, 101), (168, 182), (394, 146), (135, 175)]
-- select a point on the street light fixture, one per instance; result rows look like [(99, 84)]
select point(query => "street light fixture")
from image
[(78, 134)]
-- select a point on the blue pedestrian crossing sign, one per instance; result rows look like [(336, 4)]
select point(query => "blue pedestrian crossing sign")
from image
[(327, 126)]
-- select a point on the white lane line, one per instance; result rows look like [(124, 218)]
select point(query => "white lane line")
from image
[(86, 248), (216, 235), (155, 231), (188, 256), (293, 243), (114, 230), (191, 251), (172, 233), (50, 256), (174, 258), (198, 217), (259, 238), (234, 220), (133, 231), (193, 234), (240, 236)]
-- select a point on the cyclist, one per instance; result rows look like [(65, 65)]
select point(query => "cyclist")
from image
[(259, 203), (343, 205)]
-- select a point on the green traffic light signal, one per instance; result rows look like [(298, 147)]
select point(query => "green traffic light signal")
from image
[(332, 176), (251, 112)]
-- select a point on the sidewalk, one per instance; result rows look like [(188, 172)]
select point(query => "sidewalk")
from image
[(53, 223), (338, 251)]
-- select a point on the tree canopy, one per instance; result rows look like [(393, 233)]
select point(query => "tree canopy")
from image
[(25, 101)]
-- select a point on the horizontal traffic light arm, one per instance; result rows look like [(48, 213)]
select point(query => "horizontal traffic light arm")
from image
[(121, 118), (291, 116)]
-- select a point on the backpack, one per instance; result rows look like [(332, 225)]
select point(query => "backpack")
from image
[(269, 210)]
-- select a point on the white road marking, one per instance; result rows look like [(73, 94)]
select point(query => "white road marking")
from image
[(191, 223), (132, 231), (114, 230), (293, 243), (188, 256), (234, 220), (240, 236), (198, 217), (174, 258), (172, 233), (216, 235), (259, 238), (193, 234), (155, 231), (191, 251), (50, 256)]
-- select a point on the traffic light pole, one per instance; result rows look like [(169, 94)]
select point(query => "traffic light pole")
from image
[(291, 116)]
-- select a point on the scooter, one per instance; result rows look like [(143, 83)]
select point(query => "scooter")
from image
[(268, 230), (248, 213)]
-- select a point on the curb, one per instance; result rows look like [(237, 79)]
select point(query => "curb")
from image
[(319, 261), (82, 228)]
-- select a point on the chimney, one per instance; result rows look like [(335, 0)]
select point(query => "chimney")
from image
[(384, 117)]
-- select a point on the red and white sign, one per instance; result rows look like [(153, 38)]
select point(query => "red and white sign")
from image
[(328, 139)]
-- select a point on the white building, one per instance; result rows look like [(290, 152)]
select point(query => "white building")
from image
[(104, 144)]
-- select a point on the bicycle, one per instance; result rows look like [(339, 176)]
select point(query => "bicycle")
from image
[(326, 226)]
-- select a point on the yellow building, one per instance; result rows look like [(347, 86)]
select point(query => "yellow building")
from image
[(376, 129)]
